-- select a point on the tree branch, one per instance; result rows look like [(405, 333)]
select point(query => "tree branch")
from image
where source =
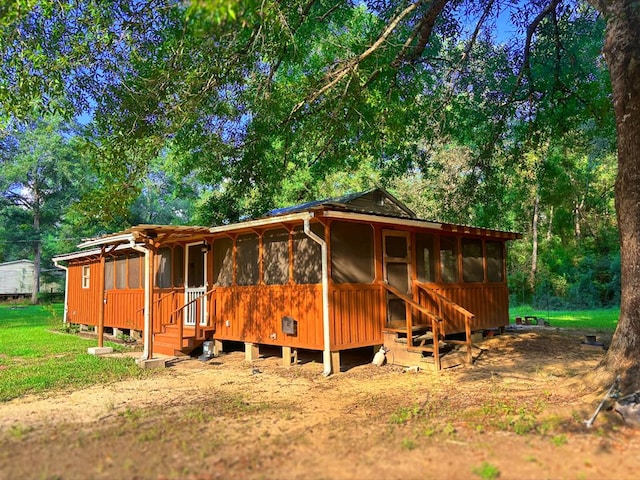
[(525, 69), (424, 29), (335, 75)]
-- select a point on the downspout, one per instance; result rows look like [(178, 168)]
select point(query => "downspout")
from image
[(326, 354), (147, 299), (66, 289)]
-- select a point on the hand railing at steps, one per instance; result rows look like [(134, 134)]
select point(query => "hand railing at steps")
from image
[(410, 304), (440, 301), (199, 330), (176, 315)]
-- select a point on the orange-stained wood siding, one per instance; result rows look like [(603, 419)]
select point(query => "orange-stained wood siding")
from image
[(488, 302), (124, 309), (166, 307), (255, 313), (356, 316), (84, 303)]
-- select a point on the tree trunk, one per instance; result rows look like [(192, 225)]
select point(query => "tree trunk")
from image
[(534, 242), (550, 226), (622, 53), (37, 253), (577, 218)]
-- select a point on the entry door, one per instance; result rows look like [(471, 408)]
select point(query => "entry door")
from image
[(397, 272), (196, 284)]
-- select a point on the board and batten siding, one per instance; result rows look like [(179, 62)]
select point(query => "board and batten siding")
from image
[(254, 314), (83, 302)]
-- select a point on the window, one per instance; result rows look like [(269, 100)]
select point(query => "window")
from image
[(275, 260), (109, 269), (163, 271), (449, 259), (425, 257), (248, 266), (134, 270), (170, 267), (86, 275), (223, 262), (472, 261), (121, 272), (178, 266), (495, 261), (307, 255), (352, 258)]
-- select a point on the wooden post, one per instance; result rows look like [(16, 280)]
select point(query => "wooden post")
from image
[(251, 351), (149, 334), (217, 347), (467, 328), (289, 356), (335, 362), (102, 301), (436, 343)]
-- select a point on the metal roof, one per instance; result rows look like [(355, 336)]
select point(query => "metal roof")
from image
[(341, 202), (142, 232)]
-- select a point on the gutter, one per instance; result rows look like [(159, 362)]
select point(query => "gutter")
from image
[(66, 288), (326, 354), (147, 299)]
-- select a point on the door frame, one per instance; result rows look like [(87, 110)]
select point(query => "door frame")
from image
[(407, 260)]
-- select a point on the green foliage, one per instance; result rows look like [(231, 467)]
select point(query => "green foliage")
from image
[(40, 180), (35, 359), (209, 111)]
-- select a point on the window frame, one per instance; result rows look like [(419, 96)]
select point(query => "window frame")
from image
[(86, 276)]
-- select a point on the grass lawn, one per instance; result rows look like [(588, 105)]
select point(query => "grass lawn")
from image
[(34, 357), (603, 319)]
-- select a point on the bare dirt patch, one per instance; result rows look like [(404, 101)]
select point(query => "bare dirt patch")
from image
[(517, 413)]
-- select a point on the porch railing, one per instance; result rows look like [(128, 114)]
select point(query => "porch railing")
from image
[(411, 304), (437, 320), (441, 301), (176, 315), (200, 327)]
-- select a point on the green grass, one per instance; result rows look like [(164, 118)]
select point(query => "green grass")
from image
[(603, 319), (34, 358)]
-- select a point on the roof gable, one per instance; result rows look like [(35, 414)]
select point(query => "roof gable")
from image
[(376, 201)]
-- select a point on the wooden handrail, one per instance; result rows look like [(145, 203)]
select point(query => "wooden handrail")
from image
[(468, 316), (441, 297), (435, 321), (172, 292), (190, 302), (409, 300)]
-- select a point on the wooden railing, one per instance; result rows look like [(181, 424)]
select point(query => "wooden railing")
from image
[(199, 329), (176, 316), (435, 320), (441, 301)]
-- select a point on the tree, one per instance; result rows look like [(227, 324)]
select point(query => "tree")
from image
[(37, 182), (622, 54), (264, 100)]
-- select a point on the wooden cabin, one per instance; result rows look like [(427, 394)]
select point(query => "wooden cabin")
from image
[(332, 275)]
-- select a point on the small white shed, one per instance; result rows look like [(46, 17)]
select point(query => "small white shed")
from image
[(16, 278)]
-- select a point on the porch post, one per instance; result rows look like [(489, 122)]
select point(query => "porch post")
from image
[(149, 260), (102, 301)]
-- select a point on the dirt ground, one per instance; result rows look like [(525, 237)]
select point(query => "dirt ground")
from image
[(517, 413)]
